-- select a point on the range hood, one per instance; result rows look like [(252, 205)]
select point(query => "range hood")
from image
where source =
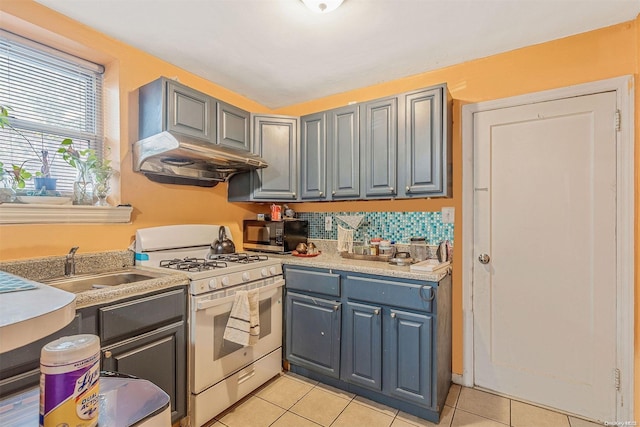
[(173, 158)]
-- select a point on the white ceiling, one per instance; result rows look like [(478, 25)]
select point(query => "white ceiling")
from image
[(279, 53)]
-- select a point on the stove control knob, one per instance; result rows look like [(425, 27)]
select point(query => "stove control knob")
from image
[(225, 281), (273, 271), (213, 283), (246, 277), (264, 272)]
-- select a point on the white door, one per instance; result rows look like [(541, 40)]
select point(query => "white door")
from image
[(545, 217)]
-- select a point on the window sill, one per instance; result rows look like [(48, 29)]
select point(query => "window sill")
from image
[(11, 213)]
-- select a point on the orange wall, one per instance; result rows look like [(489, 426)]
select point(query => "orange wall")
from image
[(596, 55), (154, 204)]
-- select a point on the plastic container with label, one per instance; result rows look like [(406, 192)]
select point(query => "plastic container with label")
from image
[(70, 381)]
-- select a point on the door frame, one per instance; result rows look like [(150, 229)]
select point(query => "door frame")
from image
[(624, 88)]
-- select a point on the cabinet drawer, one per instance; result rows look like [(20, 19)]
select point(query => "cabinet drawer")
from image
[(141, 315), (313, 281), (392, 293)]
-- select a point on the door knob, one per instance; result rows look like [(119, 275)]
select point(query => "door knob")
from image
[(484, 258), (376, 312), (393, 315), (107, 354)]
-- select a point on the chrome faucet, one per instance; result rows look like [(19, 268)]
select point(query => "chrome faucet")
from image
[(70, 262)]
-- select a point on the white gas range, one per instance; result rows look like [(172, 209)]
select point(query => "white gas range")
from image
[(220, 372)]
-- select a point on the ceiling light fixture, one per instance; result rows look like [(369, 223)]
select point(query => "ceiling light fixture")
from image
[(322, 6)]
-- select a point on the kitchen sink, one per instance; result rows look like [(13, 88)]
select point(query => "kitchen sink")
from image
[(87, 282)]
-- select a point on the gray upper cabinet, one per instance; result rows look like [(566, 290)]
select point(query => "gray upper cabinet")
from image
[(426, 144), (313, 157), (234, 127), (379, 131), (394, 147), (166, 105), (344, 152), (190, 112), (276, 141)]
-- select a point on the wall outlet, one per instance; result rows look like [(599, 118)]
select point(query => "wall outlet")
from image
[(448, 215), (328, 223)]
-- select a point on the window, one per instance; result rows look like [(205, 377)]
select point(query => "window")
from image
[(52, 96)]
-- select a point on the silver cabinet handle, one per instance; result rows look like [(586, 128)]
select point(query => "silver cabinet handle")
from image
[(408, 189), (484, 258), (393, 315), (321, 194), (336, 307), (391, 189), (107, 354), (376, 312), (294, 195)]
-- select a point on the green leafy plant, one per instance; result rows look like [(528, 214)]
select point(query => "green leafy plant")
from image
[(17, 175), (41, 155), (84, 161)]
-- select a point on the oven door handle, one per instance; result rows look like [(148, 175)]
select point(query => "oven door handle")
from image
[(203, 305)]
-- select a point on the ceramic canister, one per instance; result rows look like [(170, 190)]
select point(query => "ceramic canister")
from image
[(70, 381)]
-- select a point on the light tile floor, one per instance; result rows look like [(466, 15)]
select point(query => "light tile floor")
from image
[(290, 400)]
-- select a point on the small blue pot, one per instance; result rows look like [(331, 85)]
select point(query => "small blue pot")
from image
[(48, 183)]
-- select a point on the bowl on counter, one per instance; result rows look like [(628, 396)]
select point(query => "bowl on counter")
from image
[(401, 258)]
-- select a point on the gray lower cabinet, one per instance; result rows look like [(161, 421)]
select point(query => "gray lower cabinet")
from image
[(363, 345), (146, 337), (158, 356), (395, 344), (409, 350), (313, 333)]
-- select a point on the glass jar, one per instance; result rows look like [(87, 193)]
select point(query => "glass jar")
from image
[(83, 188), (418, 248)]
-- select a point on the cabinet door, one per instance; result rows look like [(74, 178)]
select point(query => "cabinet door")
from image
[(424, 161), (158, 356), (344, 152), (408, 352), (313, 157), (190, 112), (362, 344), (313, 333), (234, 127), (380, 133), (276, 141), (20, 367)]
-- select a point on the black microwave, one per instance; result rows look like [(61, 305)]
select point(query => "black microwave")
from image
[(274, 236)]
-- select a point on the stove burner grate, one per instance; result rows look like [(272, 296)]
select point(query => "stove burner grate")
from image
[(240, 258), (192, 264)]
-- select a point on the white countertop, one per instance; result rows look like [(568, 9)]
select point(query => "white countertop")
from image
[(28, 315), (332, 260)]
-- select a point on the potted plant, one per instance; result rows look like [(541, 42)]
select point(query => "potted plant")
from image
[(18, 174), (86, 163), (102, 174)]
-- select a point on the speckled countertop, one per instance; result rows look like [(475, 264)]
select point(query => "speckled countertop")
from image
[(43, 269), (329, 258)]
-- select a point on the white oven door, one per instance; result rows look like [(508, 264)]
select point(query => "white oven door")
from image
[(214, 358)]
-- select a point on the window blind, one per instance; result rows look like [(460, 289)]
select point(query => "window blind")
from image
[(52, 96)]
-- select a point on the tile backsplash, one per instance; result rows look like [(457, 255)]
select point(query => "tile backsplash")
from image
[(396, 226)]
